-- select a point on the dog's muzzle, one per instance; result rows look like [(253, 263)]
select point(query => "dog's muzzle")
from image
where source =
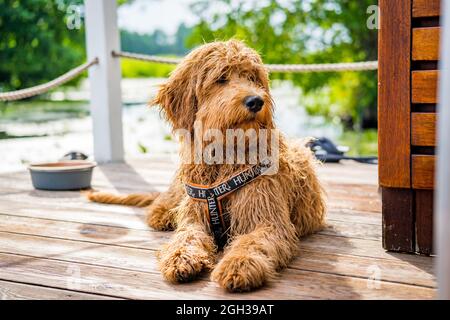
[(214, 197)]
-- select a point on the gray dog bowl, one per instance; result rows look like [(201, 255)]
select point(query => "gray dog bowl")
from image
[(63, 175)]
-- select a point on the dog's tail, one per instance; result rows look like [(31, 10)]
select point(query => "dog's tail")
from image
[(135, 200)]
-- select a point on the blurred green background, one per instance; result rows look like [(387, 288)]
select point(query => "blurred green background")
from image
[(36, 46)]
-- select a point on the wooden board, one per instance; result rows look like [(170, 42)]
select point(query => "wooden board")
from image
[(332, 260), (398, 220), (79, 249), (424, 221), (425, 44), (394, 101), (292, 284), (48, 238), (426, 8), (424, 86), (423, 171), (406, 212), (423, 129), (22, 291)]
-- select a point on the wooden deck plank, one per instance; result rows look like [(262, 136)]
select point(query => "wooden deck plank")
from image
[(21, 291), (141, 255), (143, 238), (43, 233), (350, 224), (342, 264), (134, 218), (120, 254), (108, 234), (348, 197), (344, 198), (292, 284), (397, 271), (338, 197), (140, 174)]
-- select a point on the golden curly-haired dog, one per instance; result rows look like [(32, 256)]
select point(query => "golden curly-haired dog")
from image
[(268, 216)]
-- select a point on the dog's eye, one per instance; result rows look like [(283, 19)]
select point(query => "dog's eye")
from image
[(222, 80), (252, 78)]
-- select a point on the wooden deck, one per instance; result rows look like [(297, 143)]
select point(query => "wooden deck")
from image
[(56, 245)]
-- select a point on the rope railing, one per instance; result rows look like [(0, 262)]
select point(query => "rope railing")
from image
[(291, 68), (43, 88), (144, 57)]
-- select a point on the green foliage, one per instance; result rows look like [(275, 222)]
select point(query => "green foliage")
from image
[(142, 69), (35, 43), (156, 43), (363, 143), (142, 148), (298, 32), (42, 111)]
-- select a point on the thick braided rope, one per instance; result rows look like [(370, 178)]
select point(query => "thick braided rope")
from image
[(144, 57), (293, 68), (326, 67), (43, 88)]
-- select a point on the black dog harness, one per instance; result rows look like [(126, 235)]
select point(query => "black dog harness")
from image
[(214, 196)]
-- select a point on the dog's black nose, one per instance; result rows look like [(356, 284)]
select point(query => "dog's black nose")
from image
[(254, 103)]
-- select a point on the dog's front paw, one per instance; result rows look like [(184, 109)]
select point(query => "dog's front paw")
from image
[(184, 264), (242, 273), (160, 218)]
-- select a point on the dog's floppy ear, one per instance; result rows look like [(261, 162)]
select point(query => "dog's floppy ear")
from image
[(177, 97)]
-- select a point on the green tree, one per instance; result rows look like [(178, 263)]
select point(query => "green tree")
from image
[(179, 45), (297, 32), (156, 43), (37, 42)]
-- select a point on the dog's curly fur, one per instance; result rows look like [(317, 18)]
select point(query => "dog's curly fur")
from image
[(267, 217)]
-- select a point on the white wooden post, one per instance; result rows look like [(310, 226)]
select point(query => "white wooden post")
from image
[(102, 37), (442, 199)]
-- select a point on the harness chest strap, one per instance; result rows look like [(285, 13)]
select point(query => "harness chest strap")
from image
[(214, 197)]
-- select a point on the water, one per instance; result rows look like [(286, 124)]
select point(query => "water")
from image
[(45, 131)]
